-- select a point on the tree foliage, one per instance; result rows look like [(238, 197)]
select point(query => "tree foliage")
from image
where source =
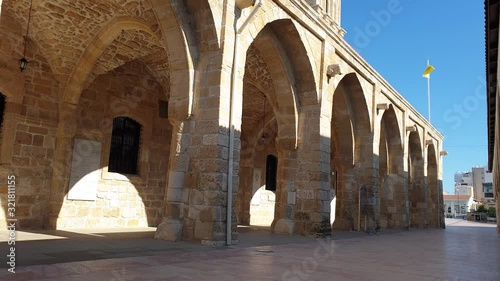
[(482, 209), (492, 212)]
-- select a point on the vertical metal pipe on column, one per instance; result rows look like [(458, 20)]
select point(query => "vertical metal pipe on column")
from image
[(234, 76)]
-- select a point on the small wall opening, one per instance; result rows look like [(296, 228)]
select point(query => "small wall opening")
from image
[(2, 108), (271, 172), (124, 151)]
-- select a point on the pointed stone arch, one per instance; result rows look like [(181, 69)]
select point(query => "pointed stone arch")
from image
[(299, 54), (204, 19), (416, 182), (268, 75), (177, 41), (94, 50), (281, 94), (351, 154), (393, 213), (169, 36), (391, 134), (357, 108), (280, 47)]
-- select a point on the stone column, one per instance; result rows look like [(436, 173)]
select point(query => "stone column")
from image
[(245, 195), (62, 162), (406, 170), (418, 195), (398, 207), (367, 183), (441, 223), (172, 224), (196, 196), (434, 185), (312, 207), (346, 213), (285, 191)]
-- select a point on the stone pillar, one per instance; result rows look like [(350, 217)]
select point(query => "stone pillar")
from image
[(346, 214), (196, 196), (433, 185), (245, 195), (375, 148), (440, 201), (312, 209), (62, 162), (399, 209), (418, 194), (367, 183), (403, 216), (285, 191), (441, 223), (172, 224)]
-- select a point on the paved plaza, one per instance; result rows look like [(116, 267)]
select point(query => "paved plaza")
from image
[(464, 251)]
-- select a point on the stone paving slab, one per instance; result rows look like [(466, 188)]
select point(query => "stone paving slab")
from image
[(464, 251)]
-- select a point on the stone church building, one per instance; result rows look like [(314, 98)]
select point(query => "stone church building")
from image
[(196, 116)]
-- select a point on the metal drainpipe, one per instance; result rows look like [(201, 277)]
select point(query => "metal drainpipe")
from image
[(229, 210), (359, 208)]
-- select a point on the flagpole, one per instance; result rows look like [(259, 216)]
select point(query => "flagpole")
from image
[(429, 93)]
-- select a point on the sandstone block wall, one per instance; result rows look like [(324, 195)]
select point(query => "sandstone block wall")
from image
[(341, 136)]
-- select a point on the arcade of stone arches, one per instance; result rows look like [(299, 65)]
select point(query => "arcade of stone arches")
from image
[(194, 117)]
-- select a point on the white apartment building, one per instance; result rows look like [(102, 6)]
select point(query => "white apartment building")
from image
[(456, 205)]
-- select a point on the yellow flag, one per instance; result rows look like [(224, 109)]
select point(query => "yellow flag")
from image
[(428, 71)]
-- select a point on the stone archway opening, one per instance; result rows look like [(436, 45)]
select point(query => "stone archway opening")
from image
[(258, 158), (129, 80), (391, 178), (416, 183), (106, 60), (119, 195), (350, 155), (344, 202), (262, 204), (269, 127)]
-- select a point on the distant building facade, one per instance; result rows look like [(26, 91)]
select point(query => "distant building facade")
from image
[(456, 205), (474, 183)]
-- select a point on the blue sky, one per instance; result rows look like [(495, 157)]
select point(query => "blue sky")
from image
[(398, 36)]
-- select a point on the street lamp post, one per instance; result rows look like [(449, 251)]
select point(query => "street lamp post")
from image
[(458, 199)]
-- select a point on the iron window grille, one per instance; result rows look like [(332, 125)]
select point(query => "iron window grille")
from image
[(2, 108)]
